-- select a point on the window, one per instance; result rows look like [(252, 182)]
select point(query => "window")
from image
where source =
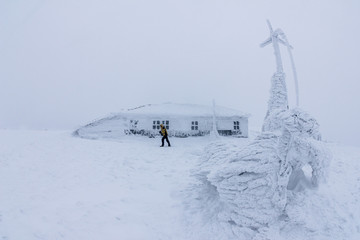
[(134, 124), (156, 124), (194, 125), (236, 125), (166, 124)]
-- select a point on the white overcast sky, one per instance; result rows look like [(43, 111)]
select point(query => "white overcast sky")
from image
[(64, 63)]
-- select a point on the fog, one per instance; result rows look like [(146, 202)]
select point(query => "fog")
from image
[(65, 63)]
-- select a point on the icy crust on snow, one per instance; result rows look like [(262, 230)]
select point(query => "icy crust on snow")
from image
[(253, 183)]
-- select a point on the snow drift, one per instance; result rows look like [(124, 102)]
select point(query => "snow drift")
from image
[(112, 126)]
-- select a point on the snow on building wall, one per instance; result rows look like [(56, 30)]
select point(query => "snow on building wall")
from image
[(181, 120)]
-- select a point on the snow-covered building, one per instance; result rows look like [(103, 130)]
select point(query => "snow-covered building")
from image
[(181, 120)]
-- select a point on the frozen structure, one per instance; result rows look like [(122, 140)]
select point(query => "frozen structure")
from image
[(278, 101), (276, 37), (252, 185), (181, 120), (214, 132)]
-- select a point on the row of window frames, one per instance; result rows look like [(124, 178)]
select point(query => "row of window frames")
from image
[(236, 123), (163, 122), (158, 127), (156, 124), (194, 125)]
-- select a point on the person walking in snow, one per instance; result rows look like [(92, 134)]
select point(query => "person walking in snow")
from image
[(164, 133)]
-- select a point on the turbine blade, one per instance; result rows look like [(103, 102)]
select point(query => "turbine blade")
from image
[(266, 42), (270, 27)]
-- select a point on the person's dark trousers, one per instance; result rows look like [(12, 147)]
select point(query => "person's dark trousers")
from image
[(167, 140)]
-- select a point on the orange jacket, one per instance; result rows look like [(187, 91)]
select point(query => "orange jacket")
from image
[(163, 130)]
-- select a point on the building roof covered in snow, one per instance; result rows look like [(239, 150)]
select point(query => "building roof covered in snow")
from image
[(175, 109)]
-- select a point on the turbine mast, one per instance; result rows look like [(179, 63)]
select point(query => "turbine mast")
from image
[(276, 37), (275, 41)]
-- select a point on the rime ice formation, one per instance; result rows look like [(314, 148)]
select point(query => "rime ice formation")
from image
[(277, 104), (252, 184), (214, 133)]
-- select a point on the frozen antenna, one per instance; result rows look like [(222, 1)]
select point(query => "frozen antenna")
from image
[(276, 37)]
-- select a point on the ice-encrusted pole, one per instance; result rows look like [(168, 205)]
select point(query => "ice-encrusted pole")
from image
[(214, 131), (276, 38), (289, 48), (278, 101)]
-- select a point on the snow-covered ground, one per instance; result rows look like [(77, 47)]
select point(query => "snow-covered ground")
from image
[(55, 186)]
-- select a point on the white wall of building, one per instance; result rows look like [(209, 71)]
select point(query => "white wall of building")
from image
[(142, 124), (184, 124)]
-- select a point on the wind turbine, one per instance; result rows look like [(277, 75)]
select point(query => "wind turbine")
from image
[(276, 37)]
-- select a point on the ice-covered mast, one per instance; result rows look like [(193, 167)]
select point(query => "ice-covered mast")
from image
[(276, 37), (214, 131)]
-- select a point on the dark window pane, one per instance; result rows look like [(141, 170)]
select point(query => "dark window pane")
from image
[(196, 122), (167, 122), (154, 127), (192, 127), (167, 127), (158, 122), (158, 127), (154, 122), (192, 123), (196, 127)]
